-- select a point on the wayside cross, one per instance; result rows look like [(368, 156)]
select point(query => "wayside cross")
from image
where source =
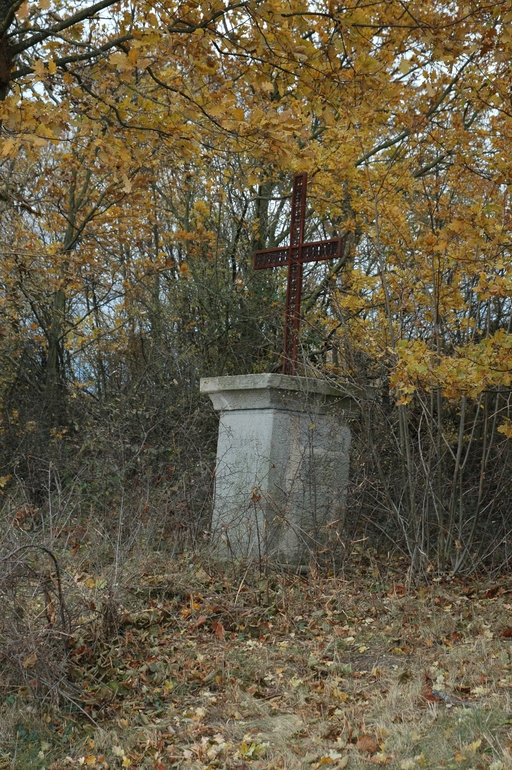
[(295, 256)]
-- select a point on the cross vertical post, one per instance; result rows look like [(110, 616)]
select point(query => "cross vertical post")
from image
[(295, 256), (295, 270)]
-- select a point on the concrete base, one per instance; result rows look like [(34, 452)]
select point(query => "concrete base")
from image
[(282, 465)]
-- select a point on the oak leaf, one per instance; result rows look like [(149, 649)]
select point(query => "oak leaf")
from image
[(367, 744)]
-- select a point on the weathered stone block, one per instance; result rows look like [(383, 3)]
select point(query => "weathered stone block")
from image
[(282, 465)]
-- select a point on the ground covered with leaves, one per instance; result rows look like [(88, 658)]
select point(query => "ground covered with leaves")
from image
[(202, 667)]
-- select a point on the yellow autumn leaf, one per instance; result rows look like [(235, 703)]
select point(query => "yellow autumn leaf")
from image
[(333, 758), (133, 55), (39, 69), (52, 67), (216, 110), (506, 428), (7, 146), (44, 4), (37, 141), (23, 11), (329, 117), (127, 185), (121, 61), (238, 113)]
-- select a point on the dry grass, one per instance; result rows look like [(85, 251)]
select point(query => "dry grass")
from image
[(216, 668)]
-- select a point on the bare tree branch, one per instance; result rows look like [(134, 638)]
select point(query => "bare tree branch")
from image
[(71, 21), (65, 60), (8, 11)]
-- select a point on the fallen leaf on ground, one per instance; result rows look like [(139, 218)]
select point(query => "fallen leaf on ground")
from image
[(429, 696), (366, 744)]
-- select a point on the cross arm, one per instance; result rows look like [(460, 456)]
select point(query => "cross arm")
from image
[(308, 252), (319, 250), (271, 258)]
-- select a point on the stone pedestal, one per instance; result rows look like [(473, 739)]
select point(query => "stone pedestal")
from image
[(282, 465)]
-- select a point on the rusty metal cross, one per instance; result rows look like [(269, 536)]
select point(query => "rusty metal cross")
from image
[(295, 256)]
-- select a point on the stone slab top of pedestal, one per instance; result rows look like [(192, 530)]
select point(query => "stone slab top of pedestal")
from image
[(276, 391)]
